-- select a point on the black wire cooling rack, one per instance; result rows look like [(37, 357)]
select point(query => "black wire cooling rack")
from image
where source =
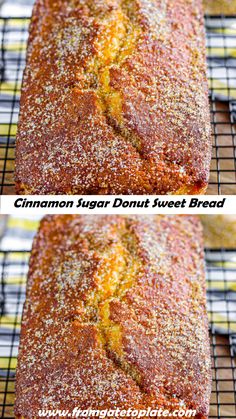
[(221, 275), (221, 46)]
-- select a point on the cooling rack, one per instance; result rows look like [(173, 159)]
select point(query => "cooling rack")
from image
[(221, 275), (221, 48)]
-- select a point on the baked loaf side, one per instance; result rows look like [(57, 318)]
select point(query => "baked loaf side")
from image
[(115, 316), (114, 99)]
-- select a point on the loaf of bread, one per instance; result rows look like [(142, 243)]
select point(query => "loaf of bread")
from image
[(115, 316), (114, 99), (218, 7)]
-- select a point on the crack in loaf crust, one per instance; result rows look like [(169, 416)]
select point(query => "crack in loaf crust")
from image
[(114, 99), (115, 316)]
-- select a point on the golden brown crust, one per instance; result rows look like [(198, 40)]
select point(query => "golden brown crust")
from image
[(115, 316), (114, 99)]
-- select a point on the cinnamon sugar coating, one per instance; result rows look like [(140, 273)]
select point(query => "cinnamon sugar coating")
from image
[(115, 316), (114, 99)]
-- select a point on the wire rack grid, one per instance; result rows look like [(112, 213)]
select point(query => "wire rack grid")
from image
[(221, 276), (221, 48)]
